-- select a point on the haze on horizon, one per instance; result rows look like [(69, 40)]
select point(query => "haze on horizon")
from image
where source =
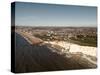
[(38, 14)]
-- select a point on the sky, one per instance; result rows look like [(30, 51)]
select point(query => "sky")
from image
[(38, 14)]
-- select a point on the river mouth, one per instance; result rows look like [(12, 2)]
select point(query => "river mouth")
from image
[(51, 55)]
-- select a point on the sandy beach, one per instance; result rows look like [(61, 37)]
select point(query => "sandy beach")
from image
[(75, 47)]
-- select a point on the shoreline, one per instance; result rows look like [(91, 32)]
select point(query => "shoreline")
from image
[(75, 47)]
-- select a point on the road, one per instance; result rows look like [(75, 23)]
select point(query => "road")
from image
[(37, 58)]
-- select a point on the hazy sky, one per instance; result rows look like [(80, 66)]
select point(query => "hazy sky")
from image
[(34, 14)]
